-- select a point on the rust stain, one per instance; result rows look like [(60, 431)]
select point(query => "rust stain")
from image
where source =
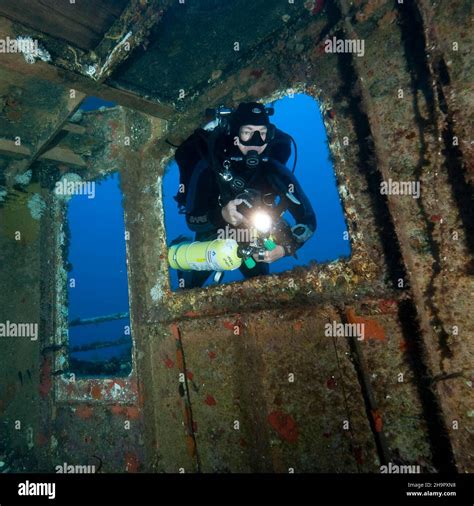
[(358, 455), (191, 314), (180, 359), (285, 426), (168, 363), (132, 412), (377, 420), (191, 445), (116, 410), (175, 330), (298, 326), (210, 401), (387, 305), (132, 462), (372, 330), (45, 377), (96, 392), (84, 412), (331, 383)]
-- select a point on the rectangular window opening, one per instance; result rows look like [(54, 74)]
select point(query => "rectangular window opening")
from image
[(299, 116), (100, 343)]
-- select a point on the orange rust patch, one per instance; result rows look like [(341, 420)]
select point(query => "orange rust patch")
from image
[(210, 401), (132, 462), (133, 413), (191, 445), (96, 392), (229, 325), (84, 412), (180, 359), (187, 419), (191, 314), (377, 420), (175, 330), (285, 426), (387, 305), (298, 326), (372, 330), (117, 410), (168, 363)]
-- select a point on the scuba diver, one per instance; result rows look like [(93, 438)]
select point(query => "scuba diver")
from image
[(231, 170)]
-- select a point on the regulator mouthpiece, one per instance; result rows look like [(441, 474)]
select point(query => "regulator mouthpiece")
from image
[(252, 159)]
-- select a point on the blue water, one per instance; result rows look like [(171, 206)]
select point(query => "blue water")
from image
[(301, 117), (93, 103), (97, 254)]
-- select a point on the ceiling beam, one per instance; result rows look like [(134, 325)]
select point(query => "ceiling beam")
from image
[(126, 34), (69, 70)]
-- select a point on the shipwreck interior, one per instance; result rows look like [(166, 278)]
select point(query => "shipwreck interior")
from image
[(240, 377)]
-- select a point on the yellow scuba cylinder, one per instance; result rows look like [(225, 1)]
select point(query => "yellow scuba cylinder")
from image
[(217, 255)]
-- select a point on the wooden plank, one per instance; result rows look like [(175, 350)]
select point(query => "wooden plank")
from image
[(74, 129), (82, 23), (56, 154), (10, 148), (63, 155)]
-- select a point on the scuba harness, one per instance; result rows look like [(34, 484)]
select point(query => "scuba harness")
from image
[(235, 172)]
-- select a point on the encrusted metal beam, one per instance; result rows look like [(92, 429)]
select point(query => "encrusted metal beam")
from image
[(126, 34), (74, 69)]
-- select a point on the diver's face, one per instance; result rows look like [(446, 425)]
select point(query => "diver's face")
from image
[(245, 134)]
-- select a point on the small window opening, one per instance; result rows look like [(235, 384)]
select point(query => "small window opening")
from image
[(300, 117), (95, 103), (99, 322)]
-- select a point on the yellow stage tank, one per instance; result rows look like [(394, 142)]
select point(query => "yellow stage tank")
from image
[(218, 255)]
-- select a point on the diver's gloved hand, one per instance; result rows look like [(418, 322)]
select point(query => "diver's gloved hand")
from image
[(271, 256), (230, 213)]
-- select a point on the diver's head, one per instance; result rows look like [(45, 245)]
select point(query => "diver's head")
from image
[(251, 138), (250, 127)]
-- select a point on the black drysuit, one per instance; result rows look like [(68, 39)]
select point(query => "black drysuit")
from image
[(206, 195)]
